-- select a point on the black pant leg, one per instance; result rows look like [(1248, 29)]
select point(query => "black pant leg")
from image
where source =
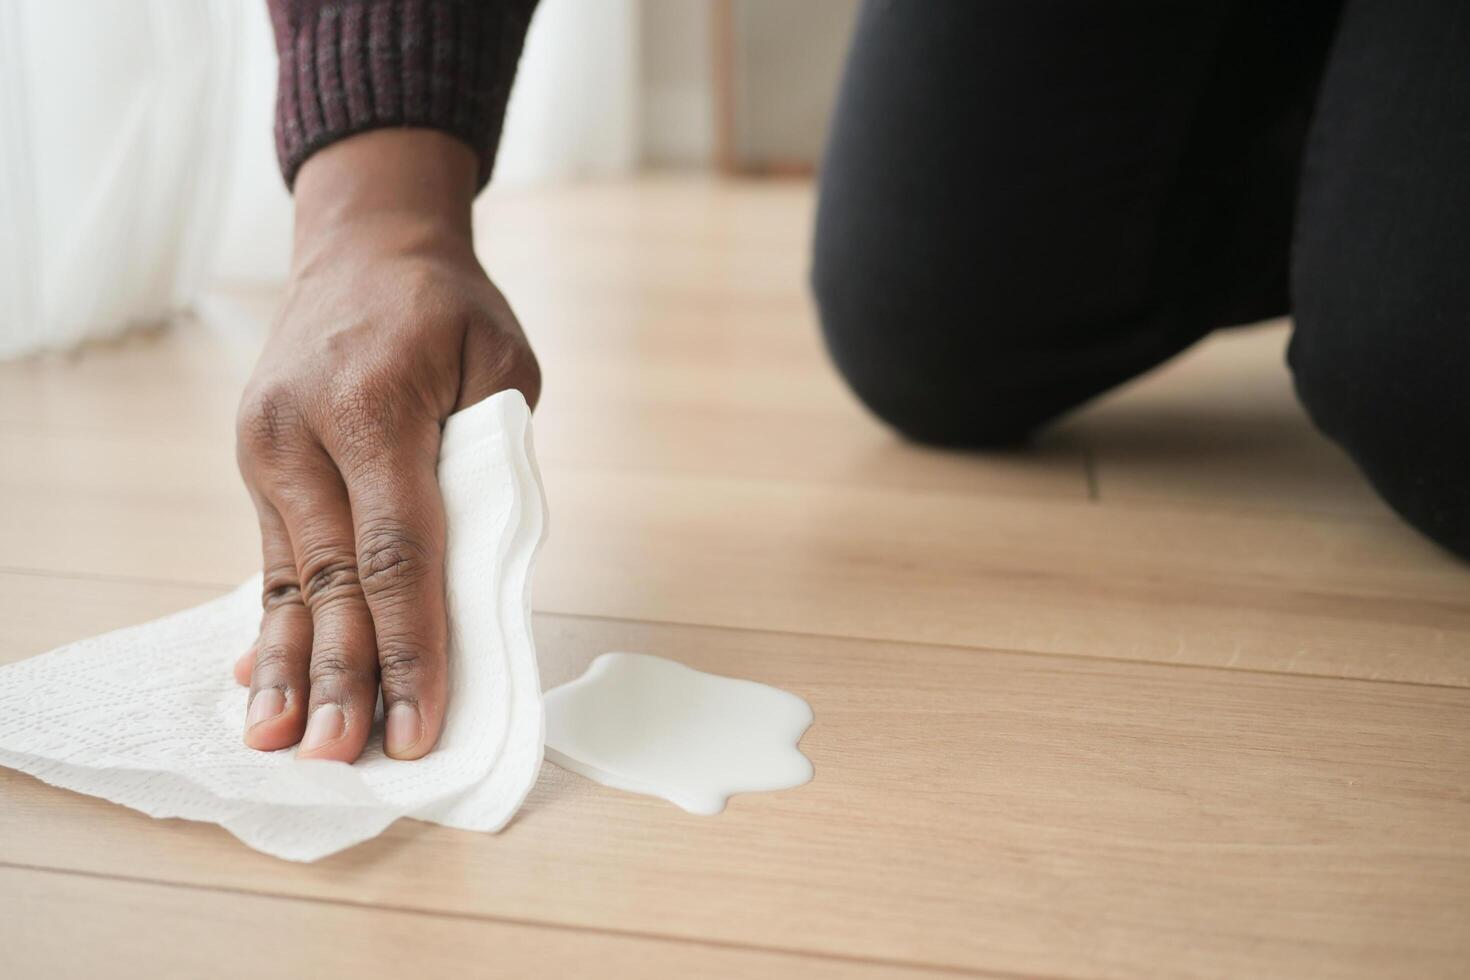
[(1381, 269), (1026, 202)]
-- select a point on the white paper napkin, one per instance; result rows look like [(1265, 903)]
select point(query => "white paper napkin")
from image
[(151, 717)]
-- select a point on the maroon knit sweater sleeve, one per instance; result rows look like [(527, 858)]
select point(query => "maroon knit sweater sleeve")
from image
[(347, 66)]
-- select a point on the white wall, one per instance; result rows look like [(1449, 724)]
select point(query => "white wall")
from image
[(677, 83), (574, 111), (788, 63)]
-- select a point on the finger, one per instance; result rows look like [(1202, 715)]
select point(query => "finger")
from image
[(399, 520), (277, 679), (245, 666), (343, 671)]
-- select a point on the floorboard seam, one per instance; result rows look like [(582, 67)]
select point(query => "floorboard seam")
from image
[(1005, 651), (807, 634), (118, 579), (938, 968)]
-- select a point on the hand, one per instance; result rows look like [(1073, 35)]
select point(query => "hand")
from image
[(389, 326)]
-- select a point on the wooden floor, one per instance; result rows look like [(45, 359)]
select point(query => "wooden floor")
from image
[(1172, 695)]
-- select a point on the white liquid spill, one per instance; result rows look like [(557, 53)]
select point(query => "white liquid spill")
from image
[(649, 725)]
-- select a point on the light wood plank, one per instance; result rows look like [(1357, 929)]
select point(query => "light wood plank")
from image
[(1344, 598), (1314, 595), (1200, 462), (41, 612), (1236, 375), (765, 442), (973, 809), (701, 412), (1220, 428), (659, 394), (1092, 807), (705, 343), (136, 505), (181, 380), (58, 926)]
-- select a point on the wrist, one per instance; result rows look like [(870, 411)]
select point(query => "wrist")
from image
[(398, 191)]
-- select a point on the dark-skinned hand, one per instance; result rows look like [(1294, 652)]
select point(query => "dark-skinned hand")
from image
[(389, 326)]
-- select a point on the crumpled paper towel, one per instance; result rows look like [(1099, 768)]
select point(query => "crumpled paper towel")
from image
[(151, 717)]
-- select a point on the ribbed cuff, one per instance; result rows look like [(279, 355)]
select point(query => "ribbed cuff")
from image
[(347, 66)]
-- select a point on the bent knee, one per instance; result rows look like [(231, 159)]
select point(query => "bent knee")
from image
[(932, 386), (911, 343)]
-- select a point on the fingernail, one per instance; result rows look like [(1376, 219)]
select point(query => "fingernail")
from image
[(326, 725), (404, 728), (267, 703)]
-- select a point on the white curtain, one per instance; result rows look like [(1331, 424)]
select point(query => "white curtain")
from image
[(137, 162), (574, 111), (115, 135)]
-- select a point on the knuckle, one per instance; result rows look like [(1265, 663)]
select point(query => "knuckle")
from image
[(400, 667), (352, 397), (389, 559), (422, 286), (268, 418), (333, 666), (281, 595), (274, 659), (360, 406), (329, 581), (279, 588)]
